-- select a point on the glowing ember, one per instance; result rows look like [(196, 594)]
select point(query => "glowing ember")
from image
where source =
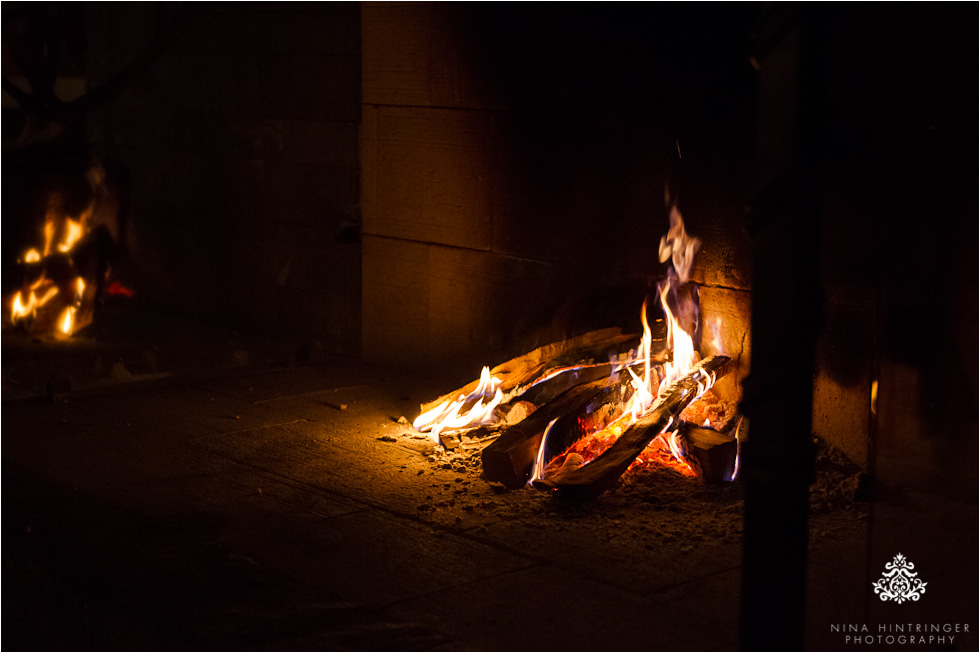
[(73, 233), (116, 288), (478, 407)]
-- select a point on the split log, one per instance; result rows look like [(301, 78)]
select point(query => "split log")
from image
[(709, 453), (510, 459), (601, 474), (519, 373)]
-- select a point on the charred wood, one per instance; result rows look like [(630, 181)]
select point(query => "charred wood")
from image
[(544, 391), (591, 480), (510, 459)]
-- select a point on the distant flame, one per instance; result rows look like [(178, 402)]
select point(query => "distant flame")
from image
[(55, 283), (73, 232), (66, 323), (484, 399), (49, 226), (22, 308)]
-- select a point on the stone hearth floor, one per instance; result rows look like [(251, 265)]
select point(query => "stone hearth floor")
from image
[(286, 508)]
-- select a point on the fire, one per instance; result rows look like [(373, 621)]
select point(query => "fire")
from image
[(681, 310), (643, 380), (679, 307), (642, 396), (481, 402), (66, 323), (54, 297), (73, 232)]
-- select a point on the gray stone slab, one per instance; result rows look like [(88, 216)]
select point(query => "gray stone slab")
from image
[(274, 383), (377, 559), (837, 580), (66, 443), (616, 551), (550, 609), (714, 598), (187, 412), (350, 461), (237, 496)]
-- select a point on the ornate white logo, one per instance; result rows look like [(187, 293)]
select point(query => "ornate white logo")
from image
[(899, 582)]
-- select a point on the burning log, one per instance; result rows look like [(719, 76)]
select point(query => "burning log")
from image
[(518, 373), (510, 459), (544, 391), (591, 480)]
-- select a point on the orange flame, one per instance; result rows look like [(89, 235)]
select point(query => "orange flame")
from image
[(66, 323), (446, 415), (73, 233), (21, 307)]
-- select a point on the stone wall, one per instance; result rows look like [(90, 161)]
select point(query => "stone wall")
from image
[(514, 175)]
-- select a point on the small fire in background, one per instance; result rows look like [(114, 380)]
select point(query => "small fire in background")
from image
[(63, 273)]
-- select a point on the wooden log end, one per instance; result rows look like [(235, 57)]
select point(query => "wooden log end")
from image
[(713, 454), (505, 460)]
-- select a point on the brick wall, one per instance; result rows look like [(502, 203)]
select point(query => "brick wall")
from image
[(241, 142)]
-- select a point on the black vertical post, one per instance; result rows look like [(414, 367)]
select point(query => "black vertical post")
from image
[(777, 463)]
